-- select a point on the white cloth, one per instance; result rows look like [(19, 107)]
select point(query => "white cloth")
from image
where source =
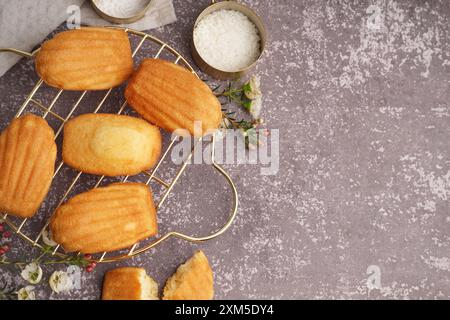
[(25, 23)]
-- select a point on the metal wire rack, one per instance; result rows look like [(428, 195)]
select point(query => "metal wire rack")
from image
[(139, 247)]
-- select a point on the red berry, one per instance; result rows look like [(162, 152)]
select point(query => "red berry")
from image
[(91, 266), (2, 227), (6, 234), (87, 256), (2, 251)]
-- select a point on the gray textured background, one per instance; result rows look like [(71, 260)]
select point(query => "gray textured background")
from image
[(362, 105)]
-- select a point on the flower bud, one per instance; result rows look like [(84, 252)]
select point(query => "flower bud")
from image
[(252, 89)]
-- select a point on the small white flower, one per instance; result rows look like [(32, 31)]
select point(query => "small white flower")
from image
[(59, 281), (252, 89), (32, 273), (48, 239), (74, 273), (26, 293), (255, 107)]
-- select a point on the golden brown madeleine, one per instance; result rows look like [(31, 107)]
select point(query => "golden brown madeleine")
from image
[(86, 59), (110, 145), (172, 97), (192, 281), (27, 164), (105, 219), (129, 283)]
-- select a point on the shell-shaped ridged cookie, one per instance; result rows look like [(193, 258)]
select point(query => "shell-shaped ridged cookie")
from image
[(110, 145), (105, 219), (86, 59), (193, 280), (27, 164), (172, 97)]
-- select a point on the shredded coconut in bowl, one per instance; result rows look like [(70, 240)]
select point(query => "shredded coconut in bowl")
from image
[(227, 40), (120, 8)]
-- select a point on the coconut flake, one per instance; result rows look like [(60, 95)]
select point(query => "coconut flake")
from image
[(227, 40), (120, 8)]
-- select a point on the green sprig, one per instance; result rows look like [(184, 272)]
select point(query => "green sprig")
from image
[(45, 250), (247, 128)]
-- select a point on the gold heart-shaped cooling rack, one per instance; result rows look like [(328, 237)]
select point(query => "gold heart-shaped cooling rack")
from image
[(160, 47)]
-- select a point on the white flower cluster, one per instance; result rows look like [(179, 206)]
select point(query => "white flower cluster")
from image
[(59, 281)]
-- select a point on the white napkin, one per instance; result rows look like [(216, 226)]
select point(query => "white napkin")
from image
[(25, 23)]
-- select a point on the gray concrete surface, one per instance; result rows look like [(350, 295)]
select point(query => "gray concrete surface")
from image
[(361, 95)]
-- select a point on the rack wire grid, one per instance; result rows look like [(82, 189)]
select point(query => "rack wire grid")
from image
[(136, 249)]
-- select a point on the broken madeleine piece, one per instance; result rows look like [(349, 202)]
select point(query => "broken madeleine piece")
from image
[(129, 283), (172, 97), (105, 219), (27, 164), (85, 59), (193, 280), (110, 145)]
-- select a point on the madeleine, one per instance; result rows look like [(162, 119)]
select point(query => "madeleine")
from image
[(27, 164), (173, 98), (85, 59)]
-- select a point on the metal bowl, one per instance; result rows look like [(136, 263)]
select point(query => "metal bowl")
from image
[(107, 17), (228, 5)]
